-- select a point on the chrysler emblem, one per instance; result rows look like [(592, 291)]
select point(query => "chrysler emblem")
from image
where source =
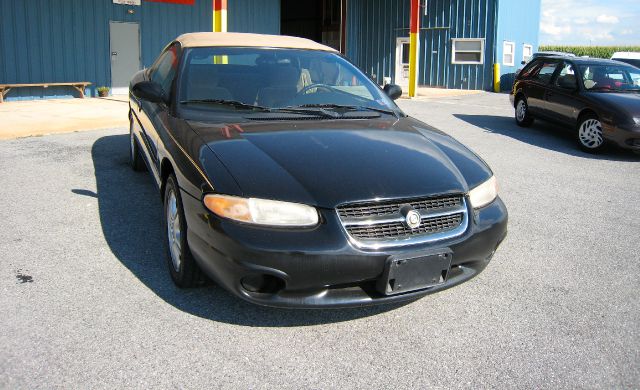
[(412, 217)]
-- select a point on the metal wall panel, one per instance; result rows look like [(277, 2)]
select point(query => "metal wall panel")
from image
[(372, 29), (518, 22), (374, 25), (256, 16), (68, 40)]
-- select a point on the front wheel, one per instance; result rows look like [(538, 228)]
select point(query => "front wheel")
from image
[(590, 138), (182, 267), (135, 157), (523, 117)]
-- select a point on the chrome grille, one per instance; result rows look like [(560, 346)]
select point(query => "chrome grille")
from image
[(393, 206), (381, 224)]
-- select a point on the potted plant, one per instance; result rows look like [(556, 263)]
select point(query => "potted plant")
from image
[(103, 91)]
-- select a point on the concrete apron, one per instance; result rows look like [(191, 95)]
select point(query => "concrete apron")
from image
[(41, 117)]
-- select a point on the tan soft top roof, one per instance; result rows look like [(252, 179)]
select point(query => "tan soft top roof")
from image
[(208, 39)]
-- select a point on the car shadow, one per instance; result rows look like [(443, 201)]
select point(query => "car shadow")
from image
[(130, 215), (545, 135)]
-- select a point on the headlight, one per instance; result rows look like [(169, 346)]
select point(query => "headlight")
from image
[(484, 194), (636, 120), (261, 211)]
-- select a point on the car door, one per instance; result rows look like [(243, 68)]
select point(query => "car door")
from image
[(562, 96), (154, 116), (538, 84)]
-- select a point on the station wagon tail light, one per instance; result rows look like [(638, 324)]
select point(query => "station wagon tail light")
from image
[(262, 211), (484, 194)]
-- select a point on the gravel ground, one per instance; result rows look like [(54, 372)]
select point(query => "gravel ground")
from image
[(88, 302)]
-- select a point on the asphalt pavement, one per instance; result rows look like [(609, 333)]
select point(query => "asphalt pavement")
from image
[(87, 302)]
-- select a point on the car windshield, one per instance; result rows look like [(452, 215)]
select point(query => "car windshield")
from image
[(603, 78), (631, 61), (232, 78)]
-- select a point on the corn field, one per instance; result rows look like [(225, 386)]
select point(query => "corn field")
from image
[(591, 51)]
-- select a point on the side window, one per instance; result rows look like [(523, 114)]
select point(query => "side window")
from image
[(165, 68), (566, 78), (530, 69), (545, 72)]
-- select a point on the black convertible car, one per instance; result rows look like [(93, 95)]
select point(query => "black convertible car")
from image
[(600, 99), (291, 179)]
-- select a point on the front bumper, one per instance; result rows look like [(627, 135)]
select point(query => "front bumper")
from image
[(319, 267), (627, 137)]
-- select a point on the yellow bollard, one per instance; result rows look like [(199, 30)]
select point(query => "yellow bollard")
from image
[(496, 77)]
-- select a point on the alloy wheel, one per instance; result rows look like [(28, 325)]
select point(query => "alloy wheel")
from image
[(590, 134), (521, 111), (173, 230)]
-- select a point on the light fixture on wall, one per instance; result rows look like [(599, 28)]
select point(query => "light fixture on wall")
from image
[(131, 11)]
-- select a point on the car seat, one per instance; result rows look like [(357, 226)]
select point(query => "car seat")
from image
[(202, 84), (282, 85)]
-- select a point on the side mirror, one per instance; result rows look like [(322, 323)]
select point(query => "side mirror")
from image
[(148, 90), (393, 91), (523, 62)]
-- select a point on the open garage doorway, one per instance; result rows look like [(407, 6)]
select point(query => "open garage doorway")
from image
[(318, 20)]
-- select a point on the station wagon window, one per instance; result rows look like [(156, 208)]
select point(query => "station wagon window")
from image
[(566, 78), (467, 51), (527, 52), (545, 72), (508, 53), (610, 77)]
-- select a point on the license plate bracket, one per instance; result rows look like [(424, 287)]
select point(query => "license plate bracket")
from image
[(415, 271)]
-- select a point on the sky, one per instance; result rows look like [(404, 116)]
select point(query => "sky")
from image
[(590, 22)]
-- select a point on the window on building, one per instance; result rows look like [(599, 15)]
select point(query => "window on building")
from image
[(527, 52), (508, 53), (467, 51)]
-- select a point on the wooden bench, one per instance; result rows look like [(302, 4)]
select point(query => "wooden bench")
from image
[(78, 86)]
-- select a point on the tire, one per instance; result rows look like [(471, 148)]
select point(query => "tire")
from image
[(589, 134), (522, 115), (184, 270), (135, 156)]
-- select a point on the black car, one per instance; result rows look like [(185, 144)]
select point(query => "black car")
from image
[(291, 179), (600, 99)]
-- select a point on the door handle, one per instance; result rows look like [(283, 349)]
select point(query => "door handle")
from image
[(114, 53)]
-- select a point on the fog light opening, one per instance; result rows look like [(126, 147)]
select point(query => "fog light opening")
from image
[(262, 284)]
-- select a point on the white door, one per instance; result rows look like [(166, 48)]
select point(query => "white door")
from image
[(125, 55), (402, 62)]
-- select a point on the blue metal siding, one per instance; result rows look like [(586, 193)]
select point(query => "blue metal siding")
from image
[(68, 40), (468, 19), (256, 16), (518, 22), (374, 25), (372, 29)]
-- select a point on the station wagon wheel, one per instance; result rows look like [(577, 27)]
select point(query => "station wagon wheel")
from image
[(523, 117), (182, 266), (590, 138), (135, 158)]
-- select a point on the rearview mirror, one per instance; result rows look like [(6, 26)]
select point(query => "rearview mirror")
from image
[(393, 91), (149, 91)]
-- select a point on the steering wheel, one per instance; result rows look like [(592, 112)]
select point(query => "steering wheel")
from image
[(317, 86)]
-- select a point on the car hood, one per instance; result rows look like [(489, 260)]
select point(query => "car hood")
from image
[(330, 162), (625, 103)]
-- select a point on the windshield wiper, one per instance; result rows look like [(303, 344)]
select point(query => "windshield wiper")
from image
[(350, 107), (232, 103)]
